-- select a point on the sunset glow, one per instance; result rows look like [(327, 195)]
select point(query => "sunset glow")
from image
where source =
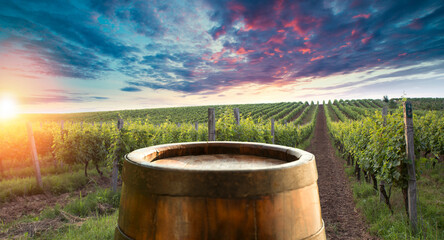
[(8, 108)]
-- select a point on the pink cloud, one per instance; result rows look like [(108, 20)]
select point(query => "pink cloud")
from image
[(296, 27), (345, 45), (304, 50), (259, 23), (302, 25), (316, 58), (279, 6), (236, 7), (366, 40), (214, 57), (311, 45), (279, 39), (243, 51), (219, 32), (402, 54), (366, 16)]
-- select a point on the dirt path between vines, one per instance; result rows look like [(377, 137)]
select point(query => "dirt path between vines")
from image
[(342, 220)]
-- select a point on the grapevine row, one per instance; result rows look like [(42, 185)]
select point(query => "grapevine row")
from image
[(377, 146), (99, 143)]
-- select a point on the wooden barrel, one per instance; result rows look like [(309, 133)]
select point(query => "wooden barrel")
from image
[(219, 190)]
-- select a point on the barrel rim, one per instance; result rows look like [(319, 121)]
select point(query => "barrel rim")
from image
[(139, 156), (224, 183)]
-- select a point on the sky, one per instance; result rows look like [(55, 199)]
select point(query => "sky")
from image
[(93, 55)]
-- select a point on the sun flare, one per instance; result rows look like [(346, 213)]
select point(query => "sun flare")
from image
[(8, 108)]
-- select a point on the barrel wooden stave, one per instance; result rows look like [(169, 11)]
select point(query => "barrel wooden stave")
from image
[(288, 215), (289, 210)]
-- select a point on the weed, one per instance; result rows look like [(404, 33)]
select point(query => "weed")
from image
[(100, 202), (396, 226)]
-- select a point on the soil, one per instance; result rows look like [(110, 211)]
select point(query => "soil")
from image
[(342, 220)]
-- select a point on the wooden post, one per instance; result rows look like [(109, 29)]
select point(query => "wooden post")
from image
[(410, 150), (272, 130), (115, 173), (236, 115), (382, 182), (120, 124), (62, 126), (1, 167), (211, 124), (35, 158), (196, 126), (384, 114)]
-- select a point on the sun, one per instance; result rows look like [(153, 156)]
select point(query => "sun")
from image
[(8, 108)]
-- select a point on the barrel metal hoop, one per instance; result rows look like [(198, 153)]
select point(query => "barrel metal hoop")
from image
[(319, 235), (119, 235)]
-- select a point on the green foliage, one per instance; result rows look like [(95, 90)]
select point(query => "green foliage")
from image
[(100, 228), (304, 113), (82, 143), (89, 205), (429, 137), (379, 149), (18, 187), (14, 145), (394, 226), (59, 183), (351, 114), (135, 135), (159, 115), (338, 112), (393, 104)]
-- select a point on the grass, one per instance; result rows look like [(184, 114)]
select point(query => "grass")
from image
[(58, 183), (396, 226), (45, 169), (98, 228), (99, 202), (85, 217)]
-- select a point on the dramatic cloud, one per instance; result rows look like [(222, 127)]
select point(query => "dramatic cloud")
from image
[(209, 46), (59, 96), (130, 89)]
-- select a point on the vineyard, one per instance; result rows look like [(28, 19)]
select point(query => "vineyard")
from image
[(78, 153), (176, 114)]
